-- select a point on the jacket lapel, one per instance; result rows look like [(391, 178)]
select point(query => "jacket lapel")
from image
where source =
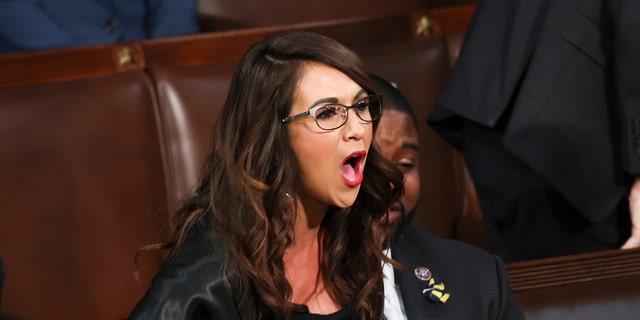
[(416, 304)]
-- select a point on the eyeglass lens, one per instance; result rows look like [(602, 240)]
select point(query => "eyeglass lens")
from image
[(333, 116)]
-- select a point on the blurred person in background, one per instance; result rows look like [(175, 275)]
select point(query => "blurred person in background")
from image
[(436, 277), (28, 25), (544, 105)]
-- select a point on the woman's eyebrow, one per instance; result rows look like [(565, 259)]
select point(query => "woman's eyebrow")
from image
[(335, 100), (325, 100), (359, 93)]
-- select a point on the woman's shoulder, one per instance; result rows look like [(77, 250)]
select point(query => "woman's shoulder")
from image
[(199, 244), (192, 281)]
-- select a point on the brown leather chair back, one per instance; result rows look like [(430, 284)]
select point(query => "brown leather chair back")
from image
[(81, 189), (190, 100)]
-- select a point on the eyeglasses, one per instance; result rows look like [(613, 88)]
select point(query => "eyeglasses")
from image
[(333, 116)]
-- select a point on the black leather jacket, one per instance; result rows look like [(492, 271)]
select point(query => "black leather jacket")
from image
[(192, 283)]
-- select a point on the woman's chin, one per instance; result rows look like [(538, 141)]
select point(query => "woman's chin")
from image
[(345, 202)]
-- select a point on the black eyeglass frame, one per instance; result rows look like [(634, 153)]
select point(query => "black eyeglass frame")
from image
[(312, 111)]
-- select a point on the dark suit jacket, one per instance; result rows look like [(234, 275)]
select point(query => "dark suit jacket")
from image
[(37, 24), (476, 281), (566, 73)]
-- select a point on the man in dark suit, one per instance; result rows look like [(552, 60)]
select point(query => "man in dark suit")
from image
[(439, 278), (544, 104), (28, 25)]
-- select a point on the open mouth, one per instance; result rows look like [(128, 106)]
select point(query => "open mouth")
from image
[(352, 168)]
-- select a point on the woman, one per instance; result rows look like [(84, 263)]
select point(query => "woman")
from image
[(285, 221), (468, 283)]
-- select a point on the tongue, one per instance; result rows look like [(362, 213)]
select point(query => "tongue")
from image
[(348, 171)]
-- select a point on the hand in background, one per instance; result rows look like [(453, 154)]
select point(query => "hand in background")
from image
[(634, 210)]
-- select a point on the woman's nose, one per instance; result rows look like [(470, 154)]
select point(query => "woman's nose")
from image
[(354, 128)]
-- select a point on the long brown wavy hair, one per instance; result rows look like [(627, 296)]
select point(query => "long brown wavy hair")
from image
[(251, 171)]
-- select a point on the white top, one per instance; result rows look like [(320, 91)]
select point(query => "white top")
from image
[(393, 305)]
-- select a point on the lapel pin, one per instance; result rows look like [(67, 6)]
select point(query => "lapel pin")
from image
[(422, 273), (435, 290)]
